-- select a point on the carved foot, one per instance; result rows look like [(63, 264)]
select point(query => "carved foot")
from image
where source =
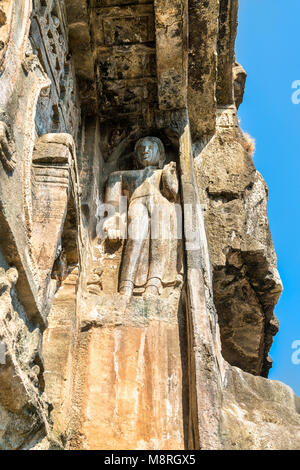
[(154, 287), (126, 288), (152, 290)]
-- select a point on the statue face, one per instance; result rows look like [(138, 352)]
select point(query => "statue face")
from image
[(148, 152)]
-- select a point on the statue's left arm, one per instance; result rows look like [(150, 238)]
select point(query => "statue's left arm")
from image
[(169, 182)]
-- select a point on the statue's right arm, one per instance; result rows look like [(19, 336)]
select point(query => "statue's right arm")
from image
[(114, 189), (113, 193)]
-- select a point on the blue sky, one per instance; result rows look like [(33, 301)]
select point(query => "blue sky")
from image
[(268, 48)]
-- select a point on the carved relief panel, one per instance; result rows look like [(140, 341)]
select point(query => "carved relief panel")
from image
[(126, 59), (52, 166), (56, 109)]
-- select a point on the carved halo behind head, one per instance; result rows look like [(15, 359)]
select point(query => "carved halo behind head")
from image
[(161, 151)]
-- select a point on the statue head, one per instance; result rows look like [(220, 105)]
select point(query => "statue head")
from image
[(150, 151)]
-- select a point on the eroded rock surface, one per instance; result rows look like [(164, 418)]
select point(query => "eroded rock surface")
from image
[(246, 283), (259, 414), (24, 408)]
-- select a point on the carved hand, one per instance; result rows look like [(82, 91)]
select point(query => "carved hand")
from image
[(111, 226), (170, 185)]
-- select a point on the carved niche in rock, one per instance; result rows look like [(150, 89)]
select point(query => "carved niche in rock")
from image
[(143, 206)]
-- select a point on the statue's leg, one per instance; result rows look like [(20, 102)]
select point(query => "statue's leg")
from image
[(159, 249), (138, 230), (160, 233)]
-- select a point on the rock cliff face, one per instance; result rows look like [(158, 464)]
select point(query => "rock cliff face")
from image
[(246, 284), (118, 122)]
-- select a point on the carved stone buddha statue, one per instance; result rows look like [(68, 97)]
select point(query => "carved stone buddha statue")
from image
[(152, 253)]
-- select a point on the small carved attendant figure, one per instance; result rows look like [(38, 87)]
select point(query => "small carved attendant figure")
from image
[(7, 153), (8, 280), (152, 254)]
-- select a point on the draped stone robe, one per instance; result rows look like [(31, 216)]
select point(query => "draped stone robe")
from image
[(152, 253)]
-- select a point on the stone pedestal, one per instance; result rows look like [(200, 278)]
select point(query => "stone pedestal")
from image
[(130, 371)]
